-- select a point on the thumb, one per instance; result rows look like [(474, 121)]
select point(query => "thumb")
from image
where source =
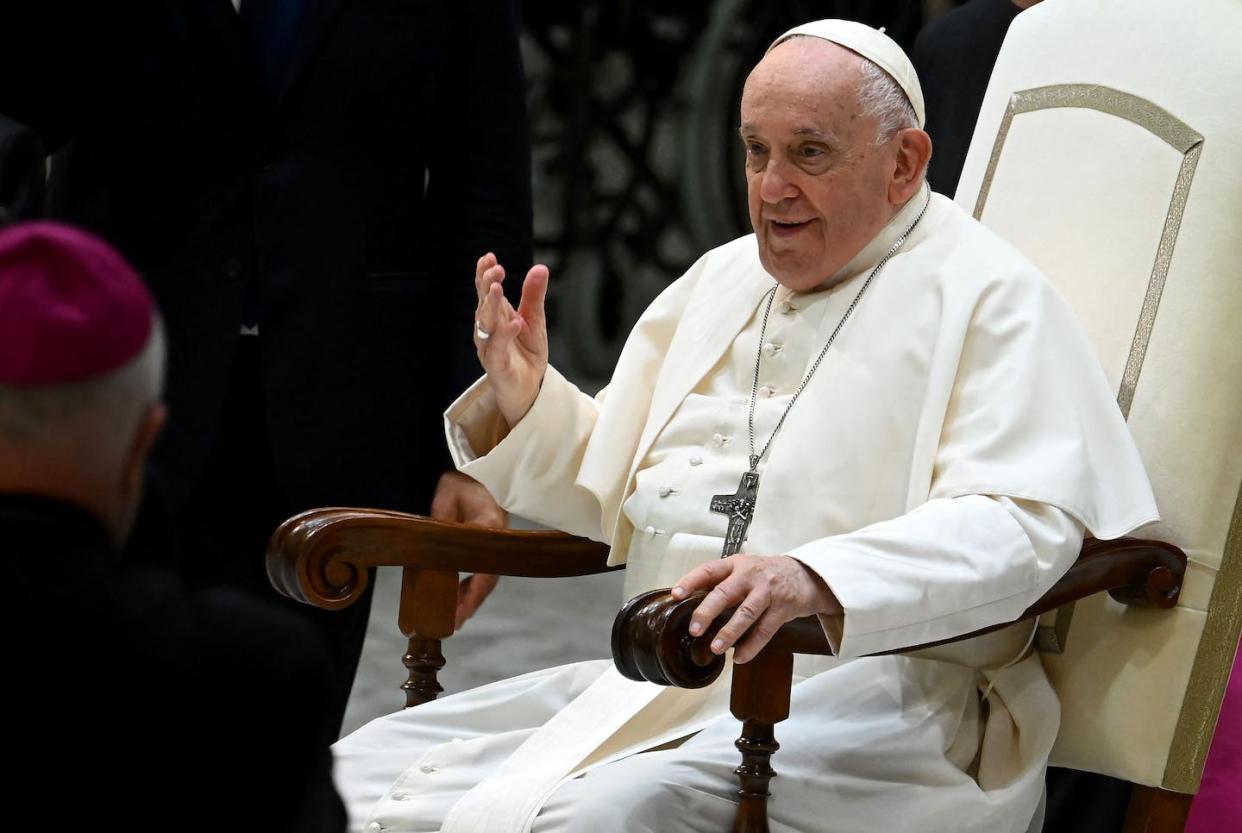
[(534, 291)]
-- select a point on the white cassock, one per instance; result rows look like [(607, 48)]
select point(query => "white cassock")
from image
[(938, 472)]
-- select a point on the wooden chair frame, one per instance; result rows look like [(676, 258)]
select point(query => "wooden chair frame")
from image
[(324, 557)]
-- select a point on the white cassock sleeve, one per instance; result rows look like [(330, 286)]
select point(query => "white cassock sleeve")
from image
[(949, 567), (525, 468)]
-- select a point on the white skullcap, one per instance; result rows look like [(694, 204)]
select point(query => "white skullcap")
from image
[(873, 45)]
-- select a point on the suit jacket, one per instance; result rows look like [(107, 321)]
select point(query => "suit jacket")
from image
[(142, 706), (22, 175), (347, 207), (953, 57)]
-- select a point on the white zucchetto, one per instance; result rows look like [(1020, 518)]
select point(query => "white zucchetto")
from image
[(873, 45)]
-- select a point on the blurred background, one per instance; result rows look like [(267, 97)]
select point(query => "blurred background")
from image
[(636, 161)]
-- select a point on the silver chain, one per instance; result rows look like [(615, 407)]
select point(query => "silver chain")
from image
[(754, 387)]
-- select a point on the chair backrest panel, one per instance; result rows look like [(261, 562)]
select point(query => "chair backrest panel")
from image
[(1109, 150)]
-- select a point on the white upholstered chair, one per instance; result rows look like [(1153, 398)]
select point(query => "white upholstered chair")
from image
[(1109, 151)]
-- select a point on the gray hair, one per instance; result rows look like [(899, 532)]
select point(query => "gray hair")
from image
[(881, 97), (102, 412)]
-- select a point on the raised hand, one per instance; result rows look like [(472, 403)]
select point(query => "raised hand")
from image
[(767, 591), (512, 345)]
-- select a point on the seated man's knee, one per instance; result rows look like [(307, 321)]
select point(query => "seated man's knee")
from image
[(653, 791)]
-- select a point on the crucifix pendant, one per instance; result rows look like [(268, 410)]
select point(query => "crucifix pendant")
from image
[(740, 507)]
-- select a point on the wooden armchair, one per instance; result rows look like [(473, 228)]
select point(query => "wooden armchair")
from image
[(323, 558)]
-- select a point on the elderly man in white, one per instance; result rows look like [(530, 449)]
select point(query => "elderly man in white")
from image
[(924, 436)]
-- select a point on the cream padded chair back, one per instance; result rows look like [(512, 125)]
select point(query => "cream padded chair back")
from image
[(1109, 150)]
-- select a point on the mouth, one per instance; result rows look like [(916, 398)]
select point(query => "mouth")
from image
[(788, 228)]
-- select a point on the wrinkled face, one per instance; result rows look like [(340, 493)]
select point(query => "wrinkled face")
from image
[(816, 181)]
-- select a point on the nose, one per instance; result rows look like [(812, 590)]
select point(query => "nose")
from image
[(775, 184)]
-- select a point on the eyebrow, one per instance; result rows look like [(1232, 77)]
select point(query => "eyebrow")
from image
[(749, 130), (815, 133)]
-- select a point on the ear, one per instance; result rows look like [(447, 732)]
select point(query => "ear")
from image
[(914, 150), (134, 469)]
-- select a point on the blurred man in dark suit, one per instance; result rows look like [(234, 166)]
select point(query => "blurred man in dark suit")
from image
[(306, 185), (954, 56), (22, 185)]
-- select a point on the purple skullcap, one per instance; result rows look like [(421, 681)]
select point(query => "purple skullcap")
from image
[(71, 308)]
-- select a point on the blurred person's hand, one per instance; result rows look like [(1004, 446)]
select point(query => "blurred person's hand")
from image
[(462, 499)]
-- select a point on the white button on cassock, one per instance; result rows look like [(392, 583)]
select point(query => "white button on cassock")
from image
[(665, 491), (374, 827), (718, 440), (696, 460), (767, 390), (771, 349), (787, 308), (427, 769)]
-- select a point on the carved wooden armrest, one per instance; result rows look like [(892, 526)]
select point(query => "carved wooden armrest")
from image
[(323, 558), (650, 641)]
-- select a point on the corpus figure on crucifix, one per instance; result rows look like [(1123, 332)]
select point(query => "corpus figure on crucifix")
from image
[(739, 506)]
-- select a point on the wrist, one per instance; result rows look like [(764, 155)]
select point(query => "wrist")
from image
[(515, 408), (823, 601)]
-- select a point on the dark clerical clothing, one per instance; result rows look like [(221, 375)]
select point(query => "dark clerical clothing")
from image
[(104, 660)]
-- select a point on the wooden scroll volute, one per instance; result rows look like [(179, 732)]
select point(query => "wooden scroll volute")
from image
[(651, 642), (308, 560), (1155, 569)]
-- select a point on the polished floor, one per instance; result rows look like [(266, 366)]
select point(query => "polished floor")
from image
[(526, 624)]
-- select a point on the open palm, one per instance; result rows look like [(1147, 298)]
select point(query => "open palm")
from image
[(512, 344)]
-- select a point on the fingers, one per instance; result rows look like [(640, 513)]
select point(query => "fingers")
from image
[(470, 596), (479, 507), (756, 637), (444, 506), (765, 592), (486, 272), (463, 499), (703, 577), (752, 606), (492, 306), (495, 316), (498, 320), (723, 595)]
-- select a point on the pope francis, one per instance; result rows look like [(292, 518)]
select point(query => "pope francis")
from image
[(878, 412)]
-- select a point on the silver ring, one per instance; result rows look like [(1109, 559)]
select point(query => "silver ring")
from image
[(483, 334)]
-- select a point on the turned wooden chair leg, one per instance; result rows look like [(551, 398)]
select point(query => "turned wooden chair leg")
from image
[(760, 699), (428, 607)]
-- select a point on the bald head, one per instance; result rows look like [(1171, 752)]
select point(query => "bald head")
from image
[(824, 172), (86, 442)]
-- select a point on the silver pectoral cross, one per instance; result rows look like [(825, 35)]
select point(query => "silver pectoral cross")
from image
[(740, 507)]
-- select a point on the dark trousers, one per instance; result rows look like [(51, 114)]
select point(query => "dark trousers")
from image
[(1084, 802), (225, 526)]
